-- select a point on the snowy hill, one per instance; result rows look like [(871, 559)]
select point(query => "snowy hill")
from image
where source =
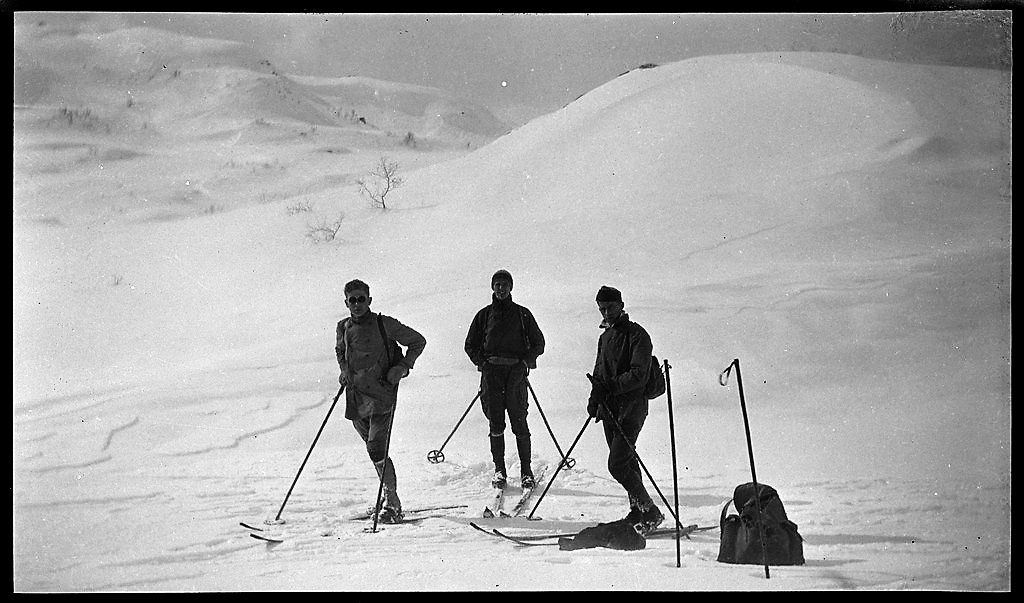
[(840, 225), (170, 81)]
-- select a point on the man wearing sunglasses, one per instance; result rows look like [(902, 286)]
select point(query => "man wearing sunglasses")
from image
[(372, 364), (620, 373), (504, 342)]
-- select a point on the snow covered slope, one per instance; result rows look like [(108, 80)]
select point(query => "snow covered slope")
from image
[(840, 225)]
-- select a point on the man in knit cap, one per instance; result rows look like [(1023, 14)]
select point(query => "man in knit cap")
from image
[(504, 342), (620, 373)]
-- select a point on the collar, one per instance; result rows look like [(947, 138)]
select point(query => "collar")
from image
[(363, 319), (501, 303), (621, 320)]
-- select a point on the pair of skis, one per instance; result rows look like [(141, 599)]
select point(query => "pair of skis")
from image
[(539, 539), (494, 509), (269, 535)]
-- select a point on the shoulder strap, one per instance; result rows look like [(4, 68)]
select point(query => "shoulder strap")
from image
[(631, 336), (384, 336), (522, 325), (344, 336)]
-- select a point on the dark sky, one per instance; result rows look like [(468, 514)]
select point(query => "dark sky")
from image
[(547, 60)]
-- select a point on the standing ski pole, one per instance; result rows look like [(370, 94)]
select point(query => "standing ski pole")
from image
[(391, 423), (278, 519), (723, 379), (568, 462), (437, 456), (383, 470), (559, 468), (675, 474)]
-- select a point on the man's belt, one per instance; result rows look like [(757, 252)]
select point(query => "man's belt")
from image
[(502, 361)]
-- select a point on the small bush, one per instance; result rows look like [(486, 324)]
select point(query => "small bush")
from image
[(302, 207), (383, 179), (324, 230)]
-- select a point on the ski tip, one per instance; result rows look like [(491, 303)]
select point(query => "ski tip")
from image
[(269, 541)]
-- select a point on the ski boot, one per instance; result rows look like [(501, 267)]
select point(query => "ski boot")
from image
[(391, 515), (635, 515), (650, 519)]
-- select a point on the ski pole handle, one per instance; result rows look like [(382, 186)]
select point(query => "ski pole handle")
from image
[(723, 377)]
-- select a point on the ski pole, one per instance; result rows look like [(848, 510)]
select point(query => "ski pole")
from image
[(559, 468), (723, 378), (277, 519), (675, 474), (639, 460), (391, 423), (437, 456), (568, 462), (383, 469)]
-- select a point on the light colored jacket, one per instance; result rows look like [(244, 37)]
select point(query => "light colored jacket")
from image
[(363, 360)]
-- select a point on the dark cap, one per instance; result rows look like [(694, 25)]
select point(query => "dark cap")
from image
[(609, 294), (502, 274)]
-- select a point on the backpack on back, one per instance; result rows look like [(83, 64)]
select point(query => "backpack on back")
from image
[(655, 385), (741, 535)]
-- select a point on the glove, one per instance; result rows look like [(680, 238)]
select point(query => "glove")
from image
[(341, 379), (598, 394), (397, 373), (599, 390)]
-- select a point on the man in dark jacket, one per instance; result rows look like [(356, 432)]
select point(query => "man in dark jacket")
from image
[(504, 342), (372, 364), (620, 373)]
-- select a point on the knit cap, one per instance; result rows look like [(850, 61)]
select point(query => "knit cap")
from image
[(502, 274), (609, 294)]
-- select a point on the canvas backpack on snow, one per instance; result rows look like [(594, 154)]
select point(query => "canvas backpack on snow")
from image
[(619, 535), (741, 535)]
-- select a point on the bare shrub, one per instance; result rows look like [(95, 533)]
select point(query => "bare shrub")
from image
[(324, 230), (302, 207), (379, 183)]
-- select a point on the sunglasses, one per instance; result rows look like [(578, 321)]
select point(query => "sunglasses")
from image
[(357, 300)]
